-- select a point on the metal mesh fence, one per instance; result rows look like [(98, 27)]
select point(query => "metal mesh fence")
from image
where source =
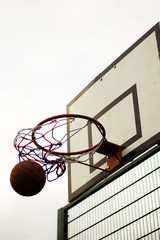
[(127, 208)]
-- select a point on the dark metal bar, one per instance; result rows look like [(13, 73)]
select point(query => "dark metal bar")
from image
[(62, 228)]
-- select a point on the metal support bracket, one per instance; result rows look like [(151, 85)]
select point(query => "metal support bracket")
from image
[(113, 154)]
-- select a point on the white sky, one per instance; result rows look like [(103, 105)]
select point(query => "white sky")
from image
[(49, 51)]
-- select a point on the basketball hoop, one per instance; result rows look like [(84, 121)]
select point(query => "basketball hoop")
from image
[(45, 143)]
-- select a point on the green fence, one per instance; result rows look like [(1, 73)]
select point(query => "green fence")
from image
[(124, 206)]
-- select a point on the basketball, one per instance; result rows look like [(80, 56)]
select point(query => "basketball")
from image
[(27, 178)]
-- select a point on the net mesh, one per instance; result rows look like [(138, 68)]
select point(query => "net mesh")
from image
[(54, 166), (44, 142)]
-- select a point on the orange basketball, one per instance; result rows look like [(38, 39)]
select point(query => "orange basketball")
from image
[(27, 178)]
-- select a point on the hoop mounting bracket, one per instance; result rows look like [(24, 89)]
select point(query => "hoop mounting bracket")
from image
[(113, 154)]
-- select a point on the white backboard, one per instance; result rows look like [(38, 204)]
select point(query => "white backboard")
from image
[(125, 99)]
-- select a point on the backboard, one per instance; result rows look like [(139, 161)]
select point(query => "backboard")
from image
[(125, 99)]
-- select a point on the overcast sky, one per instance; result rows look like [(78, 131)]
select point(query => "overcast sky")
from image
[(49, 51)]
